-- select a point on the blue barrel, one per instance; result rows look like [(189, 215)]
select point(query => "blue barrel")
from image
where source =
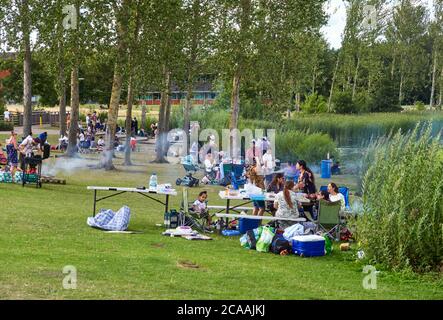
[(326, 166)]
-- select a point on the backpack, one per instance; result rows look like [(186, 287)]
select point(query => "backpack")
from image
[(279, 244)]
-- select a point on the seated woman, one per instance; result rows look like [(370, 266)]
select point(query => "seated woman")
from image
[(335, 195), (286, 205), (276, 186), (199, 206)]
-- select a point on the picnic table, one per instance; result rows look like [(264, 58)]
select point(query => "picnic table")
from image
[(144, 192), (269, 196), (246, 199)]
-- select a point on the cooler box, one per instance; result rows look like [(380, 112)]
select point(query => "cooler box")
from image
[(308, 246), (245, 225)]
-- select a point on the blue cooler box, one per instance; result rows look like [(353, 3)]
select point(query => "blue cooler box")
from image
[(244, 225), (308, 246)]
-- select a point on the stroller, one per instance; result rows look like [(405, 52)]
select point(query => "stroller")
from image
[(191, 168)]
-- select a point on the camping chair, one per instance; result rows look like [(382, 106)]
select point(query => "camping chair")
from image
[(344, 191), (329, 215), (189, 217), (238, 176)]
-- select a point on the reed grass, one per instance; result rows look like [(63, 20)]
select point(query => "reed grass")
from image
[(402, 222)]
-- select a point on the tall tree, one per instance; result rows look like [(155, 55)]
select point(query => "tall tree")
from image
[(19, 22), (197, 31), (162, 40), (122, 12), (133, 46)]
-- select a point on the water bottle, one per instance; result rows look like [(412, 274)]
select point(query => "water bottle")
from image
[(153, 182)]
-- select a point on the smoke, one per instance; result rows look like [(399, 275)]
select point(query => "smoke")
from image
[(65, 166)]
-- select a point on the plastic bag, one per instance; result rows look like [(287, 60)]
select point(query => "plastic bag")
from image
[(265, 240), (328, 244), (294, 230), (244, 242)]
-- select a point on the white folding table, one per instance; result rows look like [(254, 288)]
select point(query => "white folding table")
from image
[(144, 192), (247, 199)]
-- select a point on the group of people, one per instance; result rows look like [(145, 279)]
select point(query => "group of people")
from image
[(288, 188), (16, 151)]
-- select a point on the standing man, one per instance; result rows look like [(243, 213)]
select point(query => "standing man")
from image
[(7, 115)]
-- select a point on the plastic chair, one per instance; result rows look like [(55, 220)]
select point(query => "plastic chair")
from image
[(329, 215)]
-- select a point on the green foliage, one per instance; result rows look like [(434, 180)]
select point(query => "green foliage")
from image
[(355, 130), (315, 103), (402, 223), (295, 145), (385, 98), (420, 106), (343, 103), (6, 126)]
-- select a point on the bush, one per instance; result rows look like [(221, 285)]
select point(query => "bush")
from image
[(6, 126), (343, 103), (420, 106), (402, 222), (103, 116), (385, 99), (314, 104), (295, 145)]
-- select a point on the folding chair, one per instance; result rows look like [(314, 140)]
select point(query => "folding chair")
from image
[(329, 215), (189, 217)]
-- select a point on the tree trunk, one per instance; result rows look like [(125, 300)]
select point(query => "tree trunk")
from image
[(27, 83), (314, 78), (333, 83), (440, 99), (235, 111), (434, 72), (161, 143), (108, 152), (354, 88), (75, 106), (187, 115), (129, 124), (62, 95), (400, 91), (117, 82)]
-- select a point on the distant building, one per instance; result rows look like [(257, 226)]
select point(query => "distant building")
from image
[(203, 94)]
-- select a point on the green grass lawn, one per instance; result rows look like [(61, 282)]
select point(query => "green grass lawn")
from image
[(43, 230)]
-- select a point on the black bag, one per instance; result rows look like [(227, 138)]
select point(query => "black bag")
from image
[(251, 239), (279, 244)]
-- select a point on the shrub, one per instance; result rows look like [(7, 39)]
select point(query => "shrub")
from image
[(6, 126), (402, 222), (314, 103), (420, 106), (294, 145), (343, 103), (385, 99)]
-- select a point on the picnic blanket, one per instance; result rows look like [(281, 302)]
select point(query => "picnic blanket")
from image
[(110, 220)]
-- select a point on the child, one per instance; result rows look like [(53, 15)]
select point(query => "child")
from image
[(3, 159), (199, 206)]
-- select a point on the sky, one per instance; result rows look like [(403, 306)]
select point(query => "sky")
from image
[(337, 21)]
